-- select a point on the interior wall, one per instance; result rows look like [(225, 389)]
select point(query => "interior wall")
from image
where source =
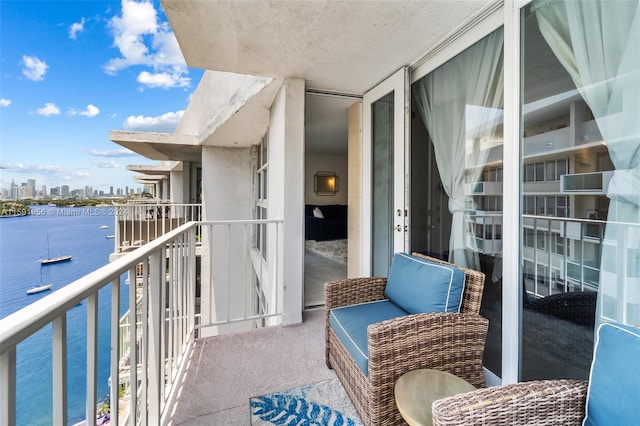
[(326, 163), (354, 211)]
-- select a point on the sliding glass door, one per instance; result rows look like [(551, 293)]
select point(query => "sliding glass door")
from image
[(456, 174)]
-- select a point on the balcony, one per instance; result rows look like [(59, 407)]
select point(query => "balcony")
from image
[(187, 377), (141, 221)]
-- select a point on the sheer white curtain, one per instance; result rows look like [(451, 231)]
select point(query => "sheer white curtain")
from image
[(598, 43), (461, 105)]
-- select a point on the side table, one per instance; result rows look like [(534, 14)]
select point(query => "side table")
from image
[(416, 391)]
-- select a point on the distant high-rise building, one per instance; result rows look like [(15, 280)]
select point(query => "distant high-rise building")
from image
[(55, 191), (28, 190), (64, 190), (111, 191)]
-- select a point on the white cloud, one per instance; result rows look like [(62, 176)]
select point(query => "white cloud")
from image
[(34, 68), (122, 152), (48, 109), (38, 168), (5, 102), (50, 170), (106, 164), (163, 123), (143, 40), (91, 111), (163, 80), (76, 28)]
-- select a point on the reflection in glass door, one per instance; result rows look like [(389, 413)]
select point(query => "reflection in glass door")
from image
[(580, 192)]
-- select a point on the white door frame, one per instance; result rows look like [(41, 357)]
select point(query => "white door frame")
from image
[(398, 83)]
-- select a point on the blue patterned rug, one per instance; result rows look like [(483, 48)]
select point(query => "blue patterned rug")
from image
[(324, 404)]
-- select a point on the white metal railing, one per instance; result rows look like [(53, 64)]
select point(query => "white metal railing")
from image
[(138, 222), (241, 289), (149, 354)]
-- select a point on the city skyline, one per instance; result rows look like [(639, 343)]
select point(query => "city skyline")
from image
[(32, 190), (73, 71)]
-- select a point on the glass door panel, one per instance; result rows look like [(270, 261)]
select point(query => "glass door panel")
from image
[(382, 185), (384, 138)]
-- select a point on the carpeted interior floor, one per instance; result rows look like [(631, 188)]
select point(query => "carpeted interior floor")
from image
[(320, 266), (332, 249), (324, 402)]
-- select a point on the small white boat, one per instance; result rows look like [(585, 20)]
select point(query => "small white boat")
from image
[(104, 227), (56, 259), (110, 236), (39, 288)]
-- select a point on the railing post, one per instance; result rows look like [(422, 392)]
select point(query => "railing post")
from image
[(144, 347), (8, 387), (192, 280), (92, 358), (115, 351), (155, 326), (59, 364), (133, 353)]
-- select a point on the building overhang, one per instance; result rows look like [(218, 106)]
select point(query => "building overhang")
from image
[(230, 110), (159, 146), (154, 169), (341, 46), (149, 179)]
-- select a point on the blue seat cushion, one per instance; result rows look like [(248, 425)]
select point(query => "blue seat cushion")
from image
[(350, 325), (614, 382), (419, 285)]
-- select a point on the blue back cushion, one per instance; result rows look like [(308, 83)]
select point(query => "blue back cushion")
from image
[(420, 286), (614, 384), (350, 325)]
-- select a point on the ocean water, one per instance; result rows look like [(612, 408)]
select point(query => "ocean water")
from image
[(23, 241)]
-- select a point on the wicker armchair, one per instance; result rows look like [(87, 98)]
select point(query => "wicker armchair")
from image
[(452, 342), (545, 402)]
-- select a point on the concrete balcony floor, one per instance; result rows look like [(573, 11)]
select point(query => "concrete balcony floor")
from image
[(226, 371)]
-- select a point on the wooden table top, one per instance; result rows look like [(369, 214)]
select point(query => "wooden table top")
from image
[(416, 391)]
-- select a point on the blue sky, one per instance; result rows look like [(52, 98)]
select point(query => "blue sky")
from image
[(70, 71)]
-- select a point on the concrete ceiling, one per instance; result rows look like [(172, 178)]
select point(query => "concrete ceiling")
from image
[(341, 46)]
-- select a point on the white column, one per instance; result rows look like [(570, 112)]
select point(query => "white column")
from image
[(286, 191)]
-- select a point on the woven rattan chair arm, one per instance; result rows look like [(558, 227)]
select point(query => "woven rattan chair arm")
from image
[(352, 291), (450, 342), (548, 402)]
